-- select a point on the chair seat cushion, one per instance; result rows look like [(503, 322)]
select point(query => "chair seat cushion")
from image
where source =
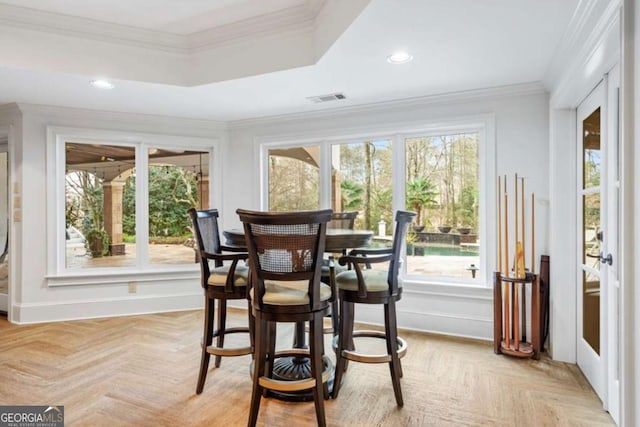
[(374, 280), (218, 275), (280, 292)]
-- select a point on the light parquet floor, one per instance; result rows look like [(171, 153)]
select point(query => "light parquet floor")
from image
[(141, 371)]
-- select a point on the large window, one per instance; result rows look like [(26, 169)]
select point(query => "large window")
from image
[(442, 187), (440, 174), (361, 181), (123, 205), (294, 178)]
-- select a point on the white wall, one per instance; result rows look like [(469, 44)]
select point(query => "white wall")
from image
[(521, 129), (33, 299)]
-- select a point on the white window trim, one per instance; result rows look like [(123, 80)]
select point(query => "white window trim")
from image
[(57, 273), (484, 124)]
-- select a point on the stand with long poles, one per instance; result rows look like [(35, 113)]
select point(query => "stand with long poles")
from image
[(512, 278)]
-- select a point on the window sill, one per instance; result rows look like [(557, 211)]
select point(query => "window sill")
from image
[(449, 289), (110, 276)]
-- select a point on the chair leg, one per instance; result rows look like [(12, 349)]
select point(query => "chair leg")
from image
[(207, 337), (335, 321), (258, 370), (271, 351), (392, 349), (316, 344), (252, 328), (222, 325), (343, 340)]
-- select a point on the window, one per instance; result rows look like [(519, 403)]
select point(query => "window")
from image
[(294, 178), (361, 177), (121, 205), (440, 172), (442, 187)]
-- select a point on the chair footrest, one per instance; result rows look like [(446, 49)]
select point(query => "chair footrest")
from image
[(229, 351), (370, 358), (295, 385)]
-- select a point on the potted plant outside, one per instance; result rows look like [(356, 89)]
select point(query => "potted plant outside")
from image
[(97, 242)]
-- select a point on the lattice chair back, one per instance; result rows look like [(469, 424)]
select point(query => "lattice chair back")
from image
[(285, 249), (403, 219), (207, 238), (343, 220)]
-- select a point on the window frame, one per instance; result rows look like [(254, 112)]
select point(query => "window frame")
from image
[(57, 272), (483, 124)]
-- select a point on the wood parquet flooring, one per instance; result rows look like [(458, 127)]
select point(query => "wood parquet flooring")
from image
[(142, 370)]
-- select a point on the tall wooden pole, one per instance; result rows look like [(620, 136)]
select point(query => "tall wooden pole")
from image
[(533, 233), (524, 233), (506, 229), (499, 228)]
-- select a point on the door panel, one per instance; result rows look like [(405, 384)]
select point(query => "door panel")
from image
[(591, 126)]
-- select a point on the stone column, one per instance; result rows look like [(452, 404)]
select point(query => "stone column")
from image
[(203, 192), (113, 215)]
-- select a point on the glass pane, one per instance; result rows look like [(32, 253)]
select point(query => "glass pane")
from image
[(98, 197), (591, 310), (442, 187), (591, 149), (361, 181), (294, 178), (591, 234), (178, 181)]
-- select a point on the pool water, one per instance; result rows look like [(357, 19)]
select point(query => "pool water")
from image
[(419, 250)]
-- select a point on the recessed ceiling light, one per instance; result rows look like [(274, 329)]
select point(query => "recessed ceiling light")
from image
[(399, 58), (102, 84)]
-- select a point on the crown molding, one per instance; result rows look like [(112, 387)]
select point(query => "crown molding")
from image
[(523, 89), (283, 21), (588, 25), (73, 26), (162, 122)]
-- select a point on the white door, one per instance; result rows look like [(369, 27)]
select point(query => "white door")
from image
[(4, 225), (612, 244), (598, 198)]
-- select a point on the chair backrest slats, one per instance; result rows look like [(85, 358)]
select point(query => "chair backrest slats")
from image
[(343, 220), (403, 219), (286, 246), (206, 236)]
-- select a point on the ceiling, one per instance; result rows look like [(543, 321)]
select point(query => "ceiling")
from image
[(457, 46)]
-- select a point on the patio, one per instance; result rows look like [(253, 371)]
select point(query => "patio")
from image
[(78, 257)]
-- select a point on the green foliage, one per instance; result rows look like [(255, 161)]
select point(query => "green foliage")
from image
[(468, 197), (172, 191), (420, 194), (351, 195), (97, 242)]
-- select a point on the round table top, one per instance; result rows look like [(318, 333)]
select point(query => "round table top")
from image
[(337, 238)]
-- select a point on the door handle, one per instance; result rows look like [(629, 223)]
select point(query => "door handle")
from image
[(606, 259)]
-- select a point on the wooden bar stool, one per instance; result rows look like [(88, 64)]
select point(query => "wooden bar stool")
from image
[(285, 255), (220, 283), (372, 286)]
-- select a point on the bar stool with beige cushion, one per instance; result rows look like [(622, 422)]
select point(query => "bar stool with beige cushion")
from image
[(342, 221), (285, 255), (372, 286), (221, 282)]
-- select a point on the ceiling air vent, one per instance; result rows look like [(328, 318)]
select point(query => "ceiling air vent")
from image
[(327, 98)]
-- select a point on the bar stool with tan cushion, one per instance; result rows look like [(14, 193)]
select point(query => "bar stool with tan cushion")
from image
[(372, 286), (220, 282), (285, 256)]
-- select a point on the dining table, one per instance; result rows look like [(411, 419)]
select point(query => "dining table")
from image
[(298, 367)]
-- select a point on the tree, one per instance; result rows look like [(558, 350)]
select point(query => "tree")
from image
[(351, 195), (420, 194)]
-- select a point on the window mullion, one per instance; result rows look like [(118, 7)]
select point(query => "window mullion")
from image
[(142, 205)]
